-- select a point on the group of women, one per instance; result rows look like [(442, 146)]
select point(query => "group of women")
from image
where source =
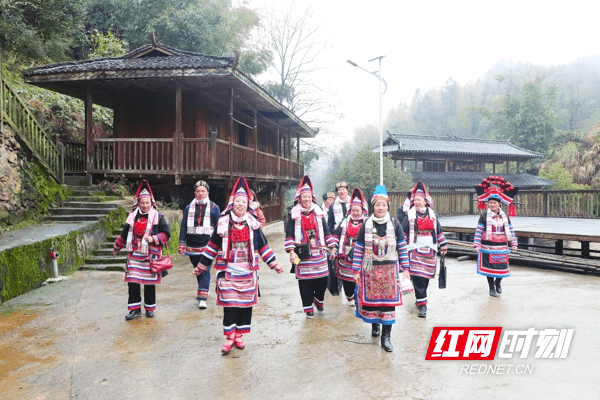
[(371, 253)]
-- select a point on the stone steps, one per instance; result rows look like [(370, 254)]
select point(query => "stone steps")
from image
[(102, 258)]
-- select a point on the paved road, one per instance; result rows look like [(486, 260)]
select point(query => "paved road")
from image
[(69, 340)]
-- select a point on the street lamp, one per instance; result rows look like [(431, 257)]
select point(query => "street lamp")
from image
[(378, 76)]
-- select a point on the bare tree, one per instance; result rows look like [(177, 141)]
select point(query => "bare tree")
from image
[(297, 43)]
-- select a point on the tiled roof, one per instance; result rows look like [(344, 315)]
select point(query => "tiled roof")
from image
[(178, 60), (454, 145), (471, 179)]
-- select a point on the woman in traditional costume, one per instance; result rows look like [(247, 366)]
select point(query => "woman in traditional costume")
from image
[(199, 221), (424, 232), (236, 244), (307, 229), (495, 232), (144, 235), (340, 206), (346, 240), (379, 257)]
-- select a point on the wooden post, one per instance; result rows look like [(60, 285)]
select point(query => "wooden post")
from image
[(585, 249), (402, 164), (558, 250), (255, 138), (278, 152), (230, 123), (508, 167), (298, 153), (61, 162), (471, 203), (545, 205), (178, 137), (518, 167), (494, 167), (89, 138)]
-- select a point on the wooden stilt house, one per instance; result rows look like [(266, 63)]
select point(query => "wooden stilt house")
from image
[(179, 117)]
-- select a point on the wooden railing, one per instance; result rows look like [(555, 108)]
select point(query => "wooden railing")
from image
[(21, 120), (559, 203), (74, 157), (197, 155), (155, 156), (267, 164), (149, 155), (243, 160), (529, 203), (221, 162)]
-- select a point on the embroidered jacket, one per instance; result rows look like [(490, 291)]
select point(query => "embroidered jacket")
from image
[(438, 237), (160, 231), (198, 241), (498, 234), (380, 229), (214, 250)]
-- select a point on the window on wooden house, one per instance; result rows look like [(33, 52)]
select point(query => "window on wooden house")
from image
[(434, 166), (213, 124)]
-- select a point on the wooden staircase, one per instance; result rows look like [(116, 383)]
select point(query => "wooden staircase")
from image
[(15, 113)]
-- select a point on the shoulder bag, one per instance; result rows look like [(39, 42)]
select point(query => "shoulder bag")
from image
[(160, 264)]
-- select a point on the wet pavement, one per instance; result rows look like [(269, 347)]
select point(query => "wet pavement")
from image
[(69, 340)]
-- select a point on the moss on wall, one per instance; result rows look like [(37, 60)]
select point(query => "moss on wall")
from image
[(26, 267)]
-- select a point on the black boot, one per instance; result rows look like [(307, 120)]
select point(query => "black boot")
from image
[(498, 287), (422, 311), (386, 343), (375, 330), (133, 314), (492, 286)]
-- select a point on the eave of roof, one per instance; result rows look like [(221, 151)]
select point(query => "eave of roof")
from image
[(407, 144), (471, 179)]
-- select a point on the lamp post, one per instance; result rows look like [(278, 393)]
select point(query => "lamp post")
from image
[(378, 76)]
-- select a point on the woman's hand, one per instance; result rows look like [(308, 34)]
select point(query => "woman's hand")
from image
[(115, 252), (444, 250), (405, 274), (332, 253), (149, 239), (514, 247), (293, 256), (181, 249), (476, 249), (356, 277), (198, 270)]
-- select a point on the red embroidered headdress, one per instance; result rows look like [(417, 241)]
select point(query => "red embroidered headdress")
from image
[(357, 199), (305, 186), (143, 191), (240, 188), (496, 187), (420, 190)]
